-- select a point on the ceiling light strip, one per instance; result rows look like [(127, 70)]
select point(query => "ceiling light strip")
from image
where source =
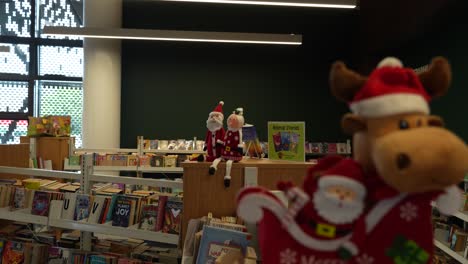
[(174, 35), (270, 3)]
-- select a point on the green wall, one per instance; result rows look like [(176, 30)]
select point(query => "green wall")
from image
[(168, 88), (446, 35)]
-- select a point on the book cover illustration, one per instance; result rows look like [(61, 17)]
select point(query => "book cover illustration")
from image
[(82, 206), (215, 241), (13, 253), (19, 199), (149, 217), (122, 209), (41, 203), (173, 216), (286, 141)]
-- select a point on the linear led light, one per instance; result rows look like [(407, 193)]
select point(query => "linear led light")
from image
[(174, 35), (349, 4)]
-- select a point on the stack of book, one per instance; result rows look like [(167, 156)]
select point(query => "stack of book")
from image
[(209, 239)]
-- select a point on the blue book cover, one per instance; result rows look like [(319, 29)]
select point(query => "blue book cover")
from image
[(82, 206), (122, 210), (215, 241)]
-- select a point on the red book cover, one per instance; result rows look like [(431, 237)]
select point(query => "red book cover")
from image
[(161, 212), (13, 253), (173, 216), (41, 203)]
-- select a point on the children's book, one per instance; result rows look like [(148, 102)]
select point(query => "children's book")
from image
[(149, 217), (19, 199), (161, 212), (13, 253), (110, 212), (215, 241), (41, 203), (82, 206), (69, 203), (122, 212), (173, 215)]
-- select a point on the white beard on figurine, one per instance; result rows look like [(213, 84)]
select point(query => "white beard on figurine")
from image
[(336, 210), (214, 123)]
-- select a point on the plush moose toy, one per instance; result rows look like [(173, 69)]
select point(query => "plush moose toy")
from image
[(406, 160)]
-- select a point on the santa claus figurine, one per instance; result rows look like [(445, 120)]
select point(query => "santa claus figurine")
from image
[(214, 134), (324, 222), (232, 145)]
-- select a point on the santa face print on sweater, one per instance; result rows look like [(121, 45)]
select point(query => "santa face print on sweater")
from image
[(338, 204)]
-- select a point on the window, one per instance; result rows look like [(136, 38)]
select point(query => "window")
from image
[(39, 75)]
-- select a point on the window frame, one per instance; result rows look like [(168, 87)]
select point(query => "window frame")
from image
[(32, 77)]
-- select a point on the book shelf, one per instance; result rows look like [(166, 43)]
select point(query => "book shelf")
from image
[(445, 246), (86, 177), (23, 215), (107, 229), (126, 168), (456, 255)]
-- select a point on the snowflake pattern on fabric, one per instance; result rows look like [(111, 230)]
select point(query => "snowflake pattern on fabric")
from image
[(365, 259), (408, 211), (288, 256)]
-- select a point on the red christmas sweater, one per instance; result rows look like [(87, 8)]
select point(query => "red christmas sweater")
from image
[(213, 150), (398, 226)]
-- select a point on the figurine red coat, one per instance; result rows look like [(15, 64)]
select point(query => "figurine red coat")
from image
[(232, 142), (213, 150)]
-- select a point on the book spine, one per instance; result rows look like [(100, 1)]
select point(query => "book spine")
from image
[(161, 212)]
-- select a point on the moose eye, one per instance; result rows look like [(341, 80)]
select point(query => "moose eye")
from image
[(403, 124)]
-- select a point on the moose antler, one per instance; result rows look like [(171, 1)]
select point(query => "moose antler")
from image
[(436, 80), (345, 83)]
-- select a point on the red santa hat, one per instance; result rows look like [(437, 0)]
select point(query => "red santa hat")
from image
[(218, 109), (346, 173), (391, 89)]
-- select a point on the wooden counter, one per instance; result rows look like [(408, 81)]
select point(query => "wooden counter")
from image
[(204, 193)]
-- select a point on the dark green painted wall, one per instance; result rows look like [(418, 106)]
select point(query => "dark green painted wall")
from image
[(445, 35), (169, 88)]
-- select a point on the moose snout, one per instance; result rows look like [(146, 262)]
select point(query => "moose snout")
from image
[(403, 161)]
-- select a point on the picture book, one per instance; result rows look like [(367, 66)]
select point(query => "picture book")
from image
[(122, 212), (82, 206), (215, 241), (149, 215), (286, 141), (41, 203), (19, 199), (13, 253), (173, 215)]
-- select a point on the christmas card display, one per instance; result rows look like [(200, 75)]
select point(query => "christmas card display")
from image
[(173, 216), (215, 241), (286, 141)]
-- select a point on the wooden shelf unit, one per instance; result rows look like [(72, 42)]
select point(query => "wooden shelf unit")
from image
[(204, 193)]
